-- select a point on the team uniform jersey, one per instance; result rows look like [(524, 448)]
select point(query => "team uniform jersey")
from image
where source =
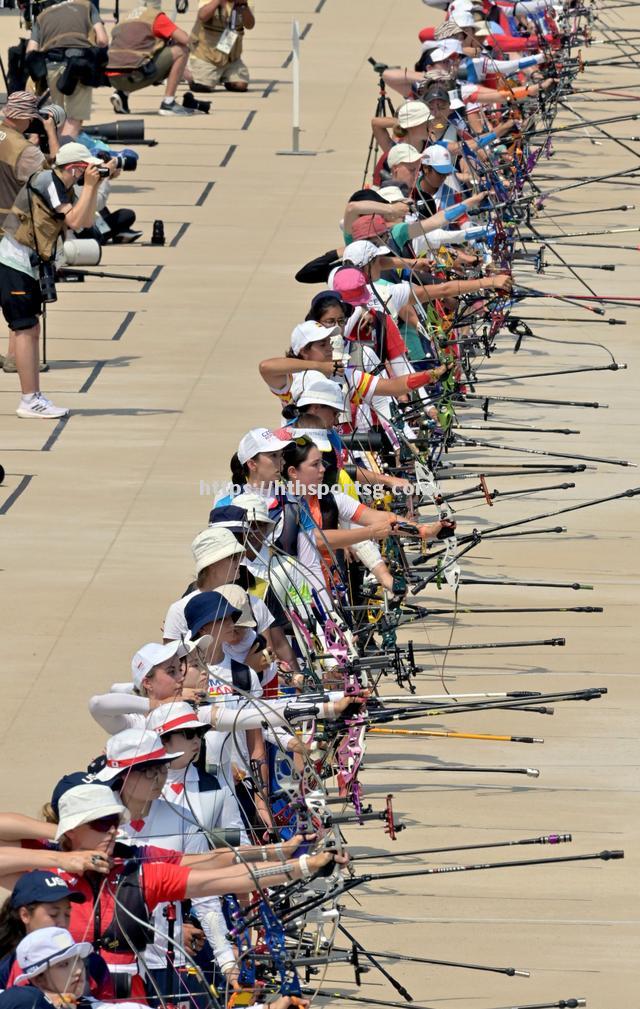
[(226, 748), (173, 827)]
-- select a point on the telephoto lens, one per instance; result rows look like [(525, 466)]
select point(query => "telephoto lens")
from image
[(126, 162), (80, 252)]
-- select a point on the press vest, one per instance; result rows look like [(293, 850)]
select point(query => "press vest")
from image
[(39, 227), (205, 36), (133, 42), (66, 25), (12, 144)]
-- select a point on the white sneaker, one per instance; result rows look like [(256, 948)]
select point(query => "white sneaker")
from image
[(42, 408)]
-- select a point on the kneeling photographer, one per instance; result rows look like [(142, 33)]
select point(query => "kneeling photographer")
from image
[(72, 40), (145, 49), (43, 209)]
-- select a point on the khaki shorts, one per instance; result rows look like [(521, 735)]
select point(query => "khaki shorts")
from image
[(134, 80), (209, 74), (77, 105)]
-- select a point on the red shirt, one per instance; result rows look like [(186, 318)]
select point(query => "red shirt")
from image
[(163, 27)]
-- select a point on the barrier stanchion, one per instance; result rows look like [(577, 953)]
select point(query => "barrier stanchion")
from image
[(295, 82)]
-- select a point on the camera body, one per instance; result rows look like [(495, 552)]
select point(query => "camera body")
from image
[(103, 171)]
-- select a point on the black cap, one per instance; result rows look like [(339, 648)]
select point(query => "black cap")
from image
[(366, 194)]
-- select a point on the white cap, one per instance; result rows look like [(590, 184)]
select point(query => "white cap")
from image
[(131, 747), (172, 717), (240, 600), (362, 253), (402, 154), (322, 392), (254, 505), (74, 153), (447, 48), (85, 803), (392, 194), (152, 655), (44, 947), (259, 439), (214, 544), (412, 114), (438, 157), (310, 332)]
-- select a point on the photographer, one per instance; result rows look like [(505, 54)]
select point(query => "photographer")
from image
[(42, 210), (73, 41), (146, 49), (19, 159), (216, 45)]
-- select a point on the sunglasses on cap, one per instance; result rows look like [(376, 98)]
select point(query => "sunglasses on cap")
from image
[(302, 441), (104, 823)]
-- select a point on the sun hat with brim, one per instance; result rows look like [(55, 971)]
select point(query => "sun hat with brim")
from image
[(369, 226), (212, 545), (21, 105), (131, 749), (402, 154), (207, 607), (391, 194), (44, 947), (75, 154), (351, 285), (253, 505), (240, 599), (463, 19), (447, 30), (412, 114), (68, 781), (153, 654), (42, 887), (310, 332), (85, 803), (173, 717), (315, 434), (259, 439)]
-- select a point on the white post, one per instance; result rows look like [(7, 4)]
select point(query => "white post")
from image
[(295, 94), (295, 86)]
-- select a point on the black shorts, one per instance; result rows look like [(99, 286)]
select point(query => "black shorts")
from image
[(20, 298)]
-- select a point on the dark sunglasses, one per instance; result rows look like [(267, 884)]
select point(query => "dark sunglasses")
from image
[(104, 823), (189, 734)]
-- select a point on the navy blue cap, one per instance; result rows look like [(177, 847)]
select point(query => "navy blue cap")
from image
[(208, 606), (230, 516), (24, 997), (42, 887)]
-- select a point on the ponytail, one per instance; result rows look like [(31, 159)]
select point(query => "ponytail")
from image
[(12, 927), (239, 471)]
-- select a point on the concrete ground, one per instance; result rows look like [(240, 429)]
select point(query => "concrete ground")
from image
[(97, 512)]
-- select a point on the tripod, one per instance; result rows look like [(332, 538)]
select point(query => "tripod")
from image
[(384, 107)]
